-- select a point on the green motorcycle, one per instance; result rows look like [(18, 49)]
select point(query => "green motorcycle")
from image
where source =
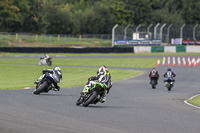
[(91, 93)]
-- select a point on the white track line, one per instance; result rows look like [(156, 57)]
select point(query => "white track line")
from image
[(186, 101)]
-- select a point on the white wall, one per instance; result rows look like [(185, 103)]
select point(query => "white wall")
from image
[(142, 49), (170, 49)]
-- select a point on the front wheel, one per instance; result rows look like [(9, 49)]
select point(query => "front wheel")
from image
[(90, 99), (79, 101), (41, 88)]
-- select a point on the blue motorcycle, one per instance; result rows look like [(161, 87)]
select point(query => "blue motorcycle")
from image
[(46, 83)]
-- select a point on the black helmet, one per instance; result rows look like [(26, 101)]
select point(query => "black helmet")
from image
[(169, 69)]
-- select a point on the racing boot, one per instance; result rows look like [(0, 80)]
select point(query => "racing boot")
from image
[(103, 97), (40, 79)]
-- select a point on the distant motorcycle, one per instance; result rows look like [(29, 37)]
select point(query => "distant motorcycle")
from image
[(91, 94), (44, 61), (45, 84), (169, 83)]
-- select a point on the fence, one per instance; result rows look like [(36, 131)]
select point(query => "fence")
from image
[(55, 38), (164, 32)]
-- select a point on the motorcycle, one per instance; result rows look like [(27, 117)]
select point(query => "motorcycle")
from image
[(153, 79), (169, 83), (91, 93), (44, 61), (45, 85)]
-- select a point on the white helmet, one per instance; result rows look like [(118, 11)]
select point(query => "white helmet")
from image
[(102, 69), (58, 69)]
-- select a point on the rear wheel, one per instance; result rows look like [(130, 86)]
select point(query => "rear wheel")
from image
[(90, 99), (153, 83), (169, 87), (41, 88), (49, 63)]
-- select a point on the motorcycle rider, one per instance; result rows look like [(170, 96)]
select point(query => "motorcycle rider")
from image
[(153, 75), (56, 72), (46, 56), (169, 74), (103, 76)]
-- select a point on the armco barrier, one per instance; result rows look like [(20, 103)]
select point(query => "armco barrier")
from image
[(66, 50)]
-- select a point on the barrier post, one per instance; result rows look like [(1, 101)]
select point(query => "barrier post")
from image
[(80, 37), (16, 36), (58, 37), (36, 37)]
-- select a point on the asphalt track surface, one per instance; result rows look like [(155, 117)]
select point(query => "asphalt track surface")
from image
[(131, 107)]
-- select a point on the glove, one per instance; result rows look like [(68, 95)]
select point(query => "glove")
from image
[(108, 91)]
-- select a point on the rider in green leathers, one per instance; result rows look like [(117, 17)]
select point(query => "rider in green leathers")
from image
[(103, 77)]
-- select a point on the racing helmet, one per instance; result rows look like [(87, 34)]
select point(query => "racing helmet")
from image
[(169, 69), (153, 70), (58, 69), (102, 69)]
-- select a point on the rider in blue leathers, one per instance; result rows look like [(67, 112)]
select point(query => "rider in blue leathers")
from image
[(169, 74)]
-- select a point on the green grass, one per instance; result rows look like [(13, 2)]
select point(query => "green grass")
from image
[(195, 101), (21, 76), (110, 62), (19, 73), (53, 41)]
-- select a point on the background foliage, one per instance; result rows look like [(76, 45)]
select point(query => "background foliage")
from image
[(92, 16)]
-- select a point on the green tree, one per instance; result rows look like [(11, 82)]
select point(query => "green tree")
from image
[(94, 19), (24, 13), (9, 16), (56, 19), (122, 11), (190, 11)]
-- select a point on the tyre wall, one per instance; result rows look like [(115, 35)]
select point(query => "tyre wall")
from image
[(135, 49), (67, 50)]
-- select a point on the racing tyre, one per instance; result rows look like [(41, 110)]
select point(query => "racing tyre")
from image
[(169, 87), (91, 98), (41, 88), (79, 101), (49, 63), (153, 83)]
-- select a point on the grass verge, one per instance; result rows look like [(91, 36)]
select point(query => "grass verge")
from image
[(20, 73), (195, 101), (110, 62)]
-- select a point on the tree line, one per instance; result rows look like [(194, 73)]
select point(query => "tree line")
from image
[(92, 16)]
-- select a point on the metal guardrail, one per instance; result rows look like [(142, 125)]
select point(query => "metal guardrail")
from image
[(164, 32)]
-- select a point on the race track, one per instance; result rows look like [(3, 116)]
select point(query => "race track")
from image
[(131, 107)]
